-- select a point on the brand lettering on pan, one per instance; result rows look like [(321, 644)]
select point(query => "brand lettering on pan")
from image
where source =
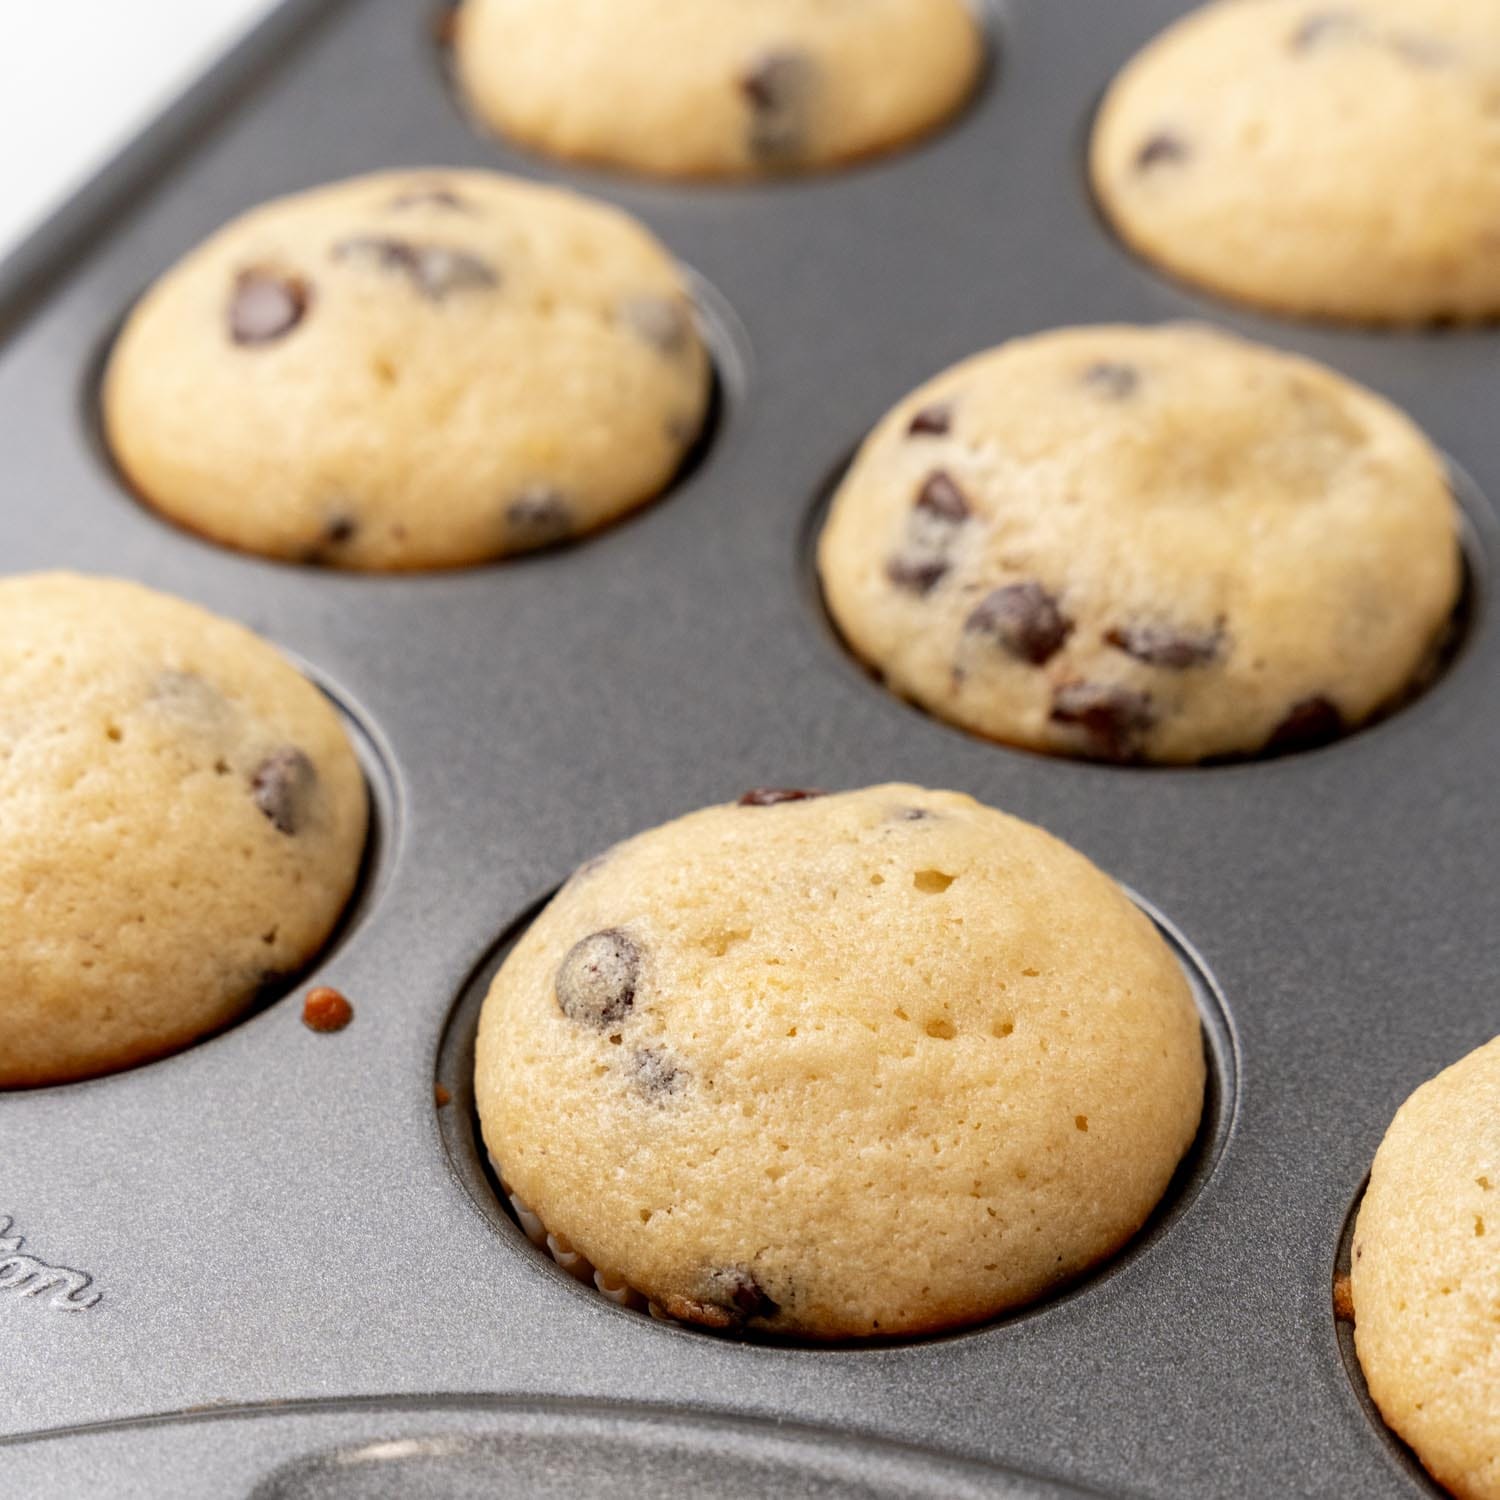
[(26, 1276)]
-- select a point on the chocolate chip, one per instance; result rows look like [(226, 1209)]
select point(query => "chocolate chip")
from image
[(731, 1297), (919, 575), (538, 518), (266, 305), (1024, 619), (664, 322), (1325, 26), (779, 89), (931, 533), (432, 195), (772, 796), (340, 529), (740, 1290), (435, 270), (596, 982), (932, 421), (1160, 150), (940, 496), (1109, 378), (1166, 646), (1113, 717), (281, 786), (1309, 723), (654, 1073)]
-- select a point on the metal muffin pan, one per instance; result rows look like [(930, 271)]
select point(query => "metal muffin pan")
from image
[(295, 1284)]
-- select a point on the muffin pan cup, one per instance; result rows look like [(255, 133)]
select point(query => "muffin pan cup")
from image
[(297, 1293)]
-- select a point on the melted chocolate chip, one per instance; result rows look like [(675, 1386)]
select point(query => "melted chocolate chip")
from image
[(1117, 382), (1114, 718), (1312, 722), (1024, 619), (436, 271), (538, 518), (432, 195), (1166, 646), (772, 796), (940, 496), (654, 1073), (731, 1297), (340, 529), (1161, 149), (932, 421), (266, 305), (281, 786), (596, 982), (779, 89), (918, 575), (1325, 26), (664, 322)]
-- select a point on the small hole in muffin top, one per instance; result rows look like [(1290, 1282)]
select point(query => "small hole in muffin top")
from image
[(943, 1030), (1003, 1027), (1081, 1122), (933, 882)]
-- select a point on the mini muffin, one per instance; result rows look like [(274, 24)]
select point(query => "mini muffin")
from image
[(879, 1063), (717, 87), (1145, 545), (182, 819), (1333, 158), (410, 370), (1425, 1276)]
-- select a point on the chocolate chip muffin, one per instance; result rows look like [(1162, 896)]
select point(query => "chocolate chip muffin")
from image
[(1425, 1276), (182, 819), (716, 87), (1145, 545), (1334, 158), (879, 1063), (410, 370)]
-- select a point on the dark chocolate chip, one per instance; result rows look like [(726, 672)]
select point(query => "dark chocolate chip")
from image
[(919, 575), (737, 1288), (779, 89), (432, 195), (281, 786), (266, 305), (654, 1073), (1161, 149), (1325, 26), (1024, 619), (538, 518), (925, 556), (435, 270), (940, 496), (932, 421), (1166, 646), (1110, 378), (772, 796), (1312, 722), (731, 1297), (1113, 717), (340, 529), (664, 322), (596, 982)]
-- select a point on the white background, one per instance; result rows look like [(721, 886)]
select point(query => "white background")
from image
[(83, 76)]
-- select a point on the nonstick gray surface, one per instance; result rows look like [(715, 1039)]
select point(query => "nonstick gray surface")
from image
[(299, 1284)]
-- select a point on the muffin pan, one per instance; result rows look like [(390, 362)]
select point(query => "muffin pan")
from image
[(272, 1265)]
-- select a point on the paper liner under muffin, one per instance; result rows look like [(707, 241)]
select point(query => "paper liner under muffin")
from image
[(574, 1262)]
